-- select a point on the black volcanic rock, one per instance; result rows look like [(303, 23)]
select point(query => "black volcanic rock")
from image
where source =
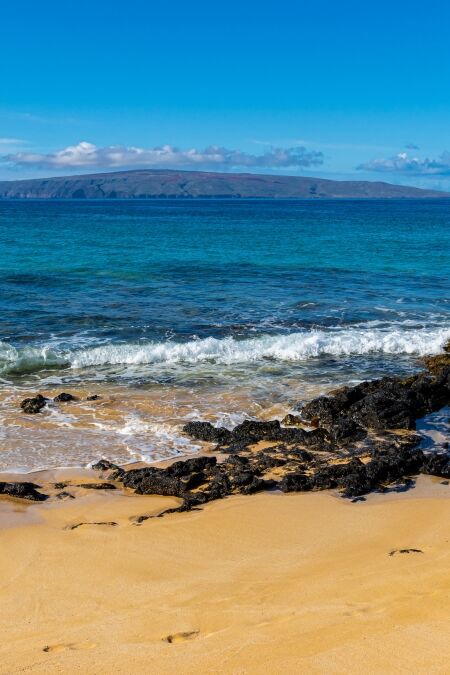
[(176, 480), (388, 403), (252, 431), (205, 431), (105, 465), (167, 184), (64, 397), (362, 441), (356, 478), (437, 465), (97, 486), (33, 405), (22, 491)]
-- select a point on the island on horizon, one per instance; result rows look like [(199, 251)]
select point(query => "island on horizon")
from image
[(176, 184)]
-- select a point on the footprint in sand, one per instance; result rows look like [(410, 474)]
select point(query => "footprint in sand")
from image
[(405, 550), (181, 637), (74, 527), (358, 609), (74, 646)]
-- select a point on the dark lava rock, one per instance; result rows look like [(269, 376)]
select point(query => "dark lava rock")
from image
[(117, 472), (204, 431), (97, 486), (355, 478), (296, 482), (291, 420), (233, 448), (242, 479), (318, 439), (436, 364), (93, 397), (175, 481), (237, 462), (104, 465), (33, 405), (301, 455), (22, 491), (263, 462), (252, 431), (258, 485), (200, 480), (347, 430), (188, 466), (350, 423), (387, 468), (388, 403), (437, 465), (63, 397)]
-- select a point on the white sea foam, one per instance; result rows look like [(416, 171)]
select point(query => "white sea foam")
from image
[(293, 347), (154, 441), (299, 346)]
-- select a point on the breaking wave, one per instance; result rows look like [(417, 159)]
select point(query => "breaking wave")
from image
[(292, 347)]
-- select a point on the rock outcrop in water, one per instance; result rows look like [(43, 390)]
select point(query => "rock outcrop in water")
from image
[(363, 439), (64, 397), (355, 440), (389, 403), (33, 405)]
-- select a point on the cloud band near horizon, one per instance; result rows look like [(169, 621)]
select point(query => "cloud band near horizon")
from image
[(85, 155), (406, 164)]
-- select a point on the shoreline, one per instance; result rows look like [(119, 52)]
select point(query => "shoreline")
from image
[(356, 439)]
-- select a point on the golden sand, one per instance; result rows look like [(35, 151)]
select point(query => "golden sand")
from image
[(271, 583)]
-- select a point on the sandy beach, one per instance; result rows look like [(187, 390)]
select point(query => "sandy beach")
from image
[(302, 583)]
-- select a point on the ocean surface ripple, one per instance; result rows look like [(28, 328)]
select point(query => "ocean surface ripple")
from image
[(210, 309)]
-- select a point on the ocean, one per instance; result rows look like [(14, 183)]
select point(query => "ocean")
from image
[(220, 310)]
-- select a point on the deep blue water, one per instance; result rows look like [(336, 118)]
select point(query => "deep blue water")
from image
[(126, 271), (212, 307)]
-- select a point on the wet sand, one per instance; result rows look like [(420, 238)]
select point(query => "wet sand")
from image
[(123, 424), (301, 583)]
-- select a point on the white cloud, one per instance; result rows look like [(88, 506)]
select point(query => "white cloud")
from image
[(11, 141), (85, 155), (407, 164)]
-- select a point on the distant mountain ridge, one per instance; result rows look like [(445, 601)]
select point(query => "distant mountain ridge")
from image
[(175, 184)]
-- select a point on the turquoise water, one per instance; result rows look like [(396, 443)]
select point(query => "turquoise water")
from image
[(269, 300)]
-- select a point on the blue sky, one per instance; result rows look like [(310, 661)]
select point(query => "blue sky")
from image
[(342, 89)]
